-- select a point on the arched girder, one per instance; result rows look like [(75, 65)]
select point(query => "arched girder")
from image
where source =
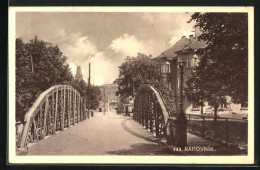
[(56, 109), (151, 111)]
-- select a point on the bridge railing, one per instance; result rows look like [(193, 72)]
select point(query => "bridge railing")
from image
[(56, 109), (151, 111)]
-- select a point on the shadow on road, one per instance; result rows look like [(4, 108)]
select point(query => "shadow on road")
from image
[(142, 149), (124, 126)]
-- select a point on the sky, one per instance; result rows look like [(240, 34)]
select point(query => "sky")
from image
[(104, 39)]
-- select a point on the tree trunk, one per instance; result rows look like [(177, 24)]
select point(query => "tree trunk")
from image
[(215, 113), (201, 110)]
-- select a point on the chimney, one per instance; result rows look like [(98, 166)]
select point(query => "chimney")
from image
[(197, 31), (183, 36), (191, 37)]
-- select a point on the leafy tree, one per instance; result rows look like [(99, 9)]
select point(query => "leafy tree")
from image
[(136, 71), (94, 98), (39, 65), (223, 70)]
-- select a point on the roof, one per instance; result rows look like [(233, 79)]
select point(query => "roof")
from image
[(182, 43), (196, 44)]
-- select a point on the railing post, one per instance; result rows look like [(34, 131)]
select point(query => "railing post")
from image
[(151, 114), (138, 106), (156, 119), (189, 123), (78, 106), (146, 110), (69, 106), (41, 119), (143, 110), (134, 110), (56, 110), (45, 116), (52, 109), (82, 108), (74, 105), (203, 126), (63, 109), (74, 118)]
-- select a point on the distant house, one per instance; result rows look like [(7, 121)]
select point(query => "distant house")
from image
[(109, 99), (185, 50)]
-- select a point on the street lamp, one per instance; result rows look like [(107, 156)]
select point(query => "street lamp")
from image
[(181, 121)]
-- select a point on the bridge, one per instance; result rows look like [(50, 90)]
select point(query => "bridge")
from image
[(58, 124)]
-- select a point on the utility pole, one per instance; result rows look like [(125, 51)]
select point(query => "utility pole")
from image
[(89, 91)]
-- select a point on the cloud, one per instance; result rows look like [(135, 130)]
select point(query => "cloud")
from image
[(102, 70), (73, 68), (80, 51), (129, 45), (76, 46)]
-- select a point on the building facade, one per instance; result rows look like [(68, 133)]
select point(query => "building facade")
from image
[(109, 101), (185, 50)]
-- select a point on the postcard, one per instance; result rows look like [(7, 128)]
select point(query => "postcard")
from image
[(131, 85)]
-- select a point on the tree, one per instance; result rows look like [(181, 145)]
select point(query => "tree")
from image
[(95, 95), (223, 70), (82, 88), (39, 65), (136, 71)]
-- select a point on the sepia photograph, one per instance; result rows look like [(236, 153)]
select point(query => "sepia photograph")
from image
[(131, 85)]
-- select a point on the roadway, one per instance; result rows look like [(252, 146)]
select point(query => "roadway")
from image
[(108, 134)]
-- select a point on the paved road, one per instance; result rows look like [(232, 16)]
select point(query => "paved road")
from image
[(108, 134)]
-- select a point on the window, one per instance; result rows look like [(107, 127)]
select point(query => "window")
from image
[(179, 83), (179, 60), (244, 106), (167, 65), (162, 68), (195, 106), (190, 63), (223, 105), (165, 68), (169, 86)]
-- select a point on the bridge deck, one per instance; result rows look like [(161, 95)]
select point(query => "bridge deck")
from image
[(108, 134)]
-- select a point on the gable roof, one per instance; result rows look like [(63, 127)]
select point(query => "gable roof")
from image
[(170, 53), (196, 44), (184, 44)]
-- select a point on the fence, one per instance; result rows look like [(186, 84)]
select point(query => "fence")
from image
[(230, 131)]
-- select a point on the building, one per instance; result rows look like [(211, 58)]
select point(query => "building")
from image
[(109, 101), (185, 50), (78, 75)]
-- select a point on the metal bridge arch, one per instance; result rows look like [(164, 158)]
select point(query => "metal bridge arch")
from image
[(56, 109), (151, 112)]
